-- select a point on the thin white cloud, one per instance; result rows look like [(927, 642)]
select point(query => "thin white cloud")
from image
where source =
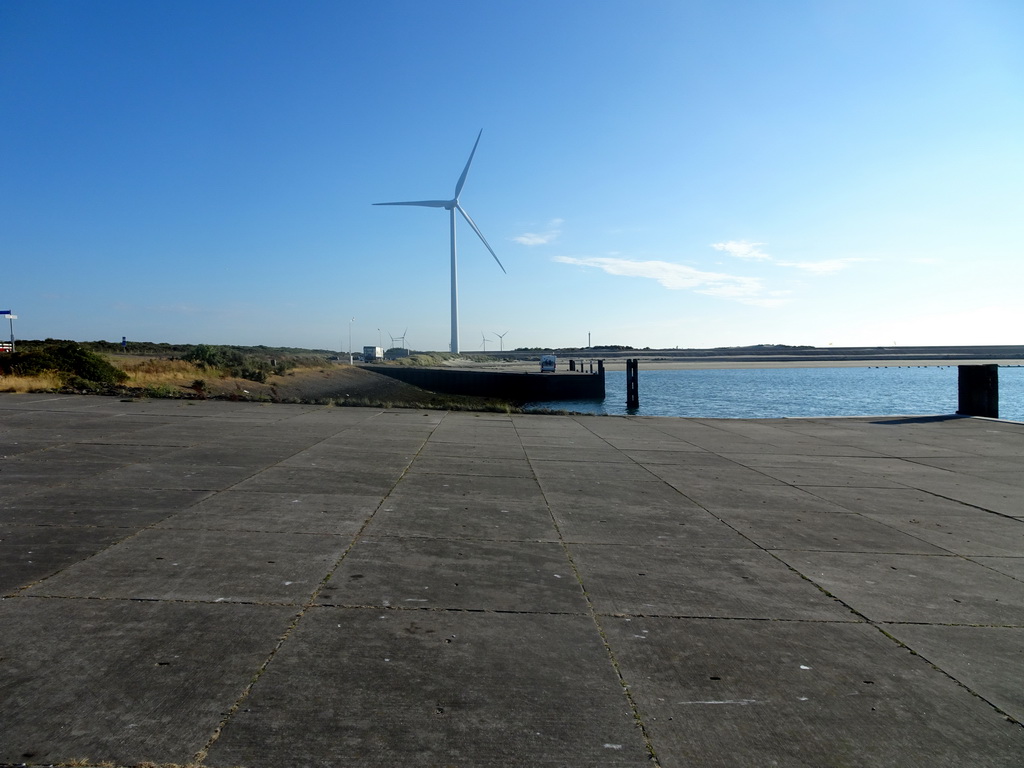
[(541, 238), (741, 249), (677, 277), (825, 267)]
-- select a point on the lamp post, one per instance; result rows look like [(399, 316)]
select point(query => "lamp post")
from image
[(350, 340)]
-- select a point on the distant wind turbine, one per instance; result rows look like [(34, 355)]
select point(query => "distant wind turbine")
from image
[(501, 342), (483, 338), (451, 206)]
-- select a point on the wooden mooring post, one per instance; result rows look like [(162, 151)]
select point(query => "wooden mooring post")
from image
[(632, 384), (978, 390)]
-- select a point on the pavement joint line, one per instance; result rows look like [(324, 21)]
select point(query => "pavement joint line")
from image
[(592, 613), (949, 676), (201, 755), (772, 554), (445, 609), (951, 624), (880, 628), (19, 590), (967, 504), (919, 538), (174, 600), (987, 567), (212, 491), (764, 619), (919, 633)]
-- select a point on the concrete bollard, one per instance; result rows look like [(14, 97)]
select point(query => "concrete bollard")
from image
[(632, 384), (978, 390)]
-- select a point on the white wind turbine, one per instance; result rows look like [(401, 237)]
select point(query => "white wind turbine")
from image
[(451, 206), (501, 336)]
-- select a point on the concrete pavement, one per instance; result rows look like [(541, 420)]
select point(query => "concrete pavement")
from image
[(241, 584)]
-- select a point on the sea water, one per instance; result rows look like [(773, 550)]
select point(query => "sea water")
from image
[(775, 393)]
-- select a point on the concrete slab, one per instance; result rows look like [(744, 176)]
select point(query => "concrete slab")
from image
[(231, 510), (909, 501), (191, 477), (368, 463), (1011, 566), (916, 588), (816, 531), (653, 453), (560, 450), (723, 583), (129, 682), (720, 498), (754, 693), (626, 473), (567, 492), (450, 489), (470, 575), (585, 669), (281, 479), (407, 513), (474, 466), (683, 476), (118, 452), (972, 532), (30, 469), (989, 661), (29, 553), (250, 453), (684, 525), (507, 450), (213, 566), (976, 492), (133, 508), (829, 477), (428, 688)]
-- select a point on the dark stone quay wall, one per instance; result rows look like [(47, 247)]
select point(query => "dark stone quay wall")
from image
[(514, 387)]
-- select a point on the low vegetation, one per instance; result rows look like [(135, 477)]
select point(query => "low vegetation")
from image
[(66, 362), (433, 359), (204, 371)]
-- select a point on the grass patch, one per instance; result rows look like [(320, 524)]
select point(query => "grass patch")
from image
[(151, 372), (43, 382)]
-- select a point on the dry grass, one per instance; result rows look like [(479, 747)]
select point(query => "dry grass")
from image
[(43, 381), (151, 372)]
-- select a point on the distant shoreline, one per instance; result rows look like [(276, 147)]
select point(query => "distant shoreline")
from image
[(767, 357)]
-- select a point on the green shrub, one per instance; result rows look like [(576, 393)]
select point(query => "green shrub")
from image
[(203, 354), (67, 358)]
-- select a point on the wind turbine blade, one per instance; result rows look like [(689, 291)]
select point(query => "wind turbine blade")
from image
[(465, 171), (423, 203), (480, 235)]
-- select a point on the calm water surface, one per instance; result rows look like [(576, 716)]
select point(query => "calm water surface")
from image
[(774, 393)]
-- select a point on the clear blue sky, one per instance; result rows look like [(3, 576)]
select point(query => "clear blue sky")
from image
[(655, 173)]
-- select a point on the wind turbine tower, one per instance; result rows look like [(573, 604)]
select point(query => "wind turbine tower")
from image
[(452, 206), (501, 340)]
